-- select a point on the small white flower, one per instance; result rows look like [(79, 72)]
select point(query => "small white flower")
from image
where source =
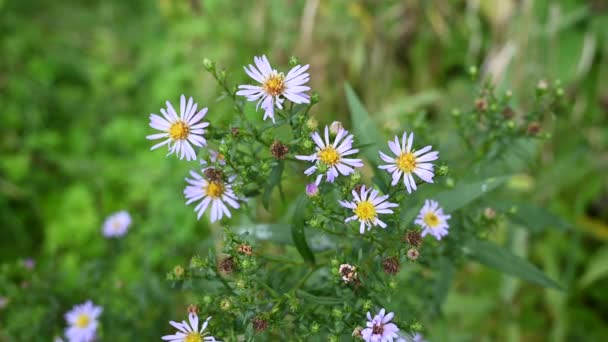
[(330, 157), (408, 161), (366, 209), (83, 322), (432, 219), (274, 86), (213, 188), (180, 132), (379, 328), (189, 332), (117, 224)]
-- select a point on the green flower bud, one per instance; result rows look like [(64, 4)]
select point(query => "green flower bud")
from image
[(307, 144), (314, 98), (449, 182), (221, 76), (416, 326), (315, 327), (559, 92), (337, 313), (332, 338), (335, 262), (355, 177), (178, 272), (293, 61), (322, 167), (208, 64), (207, 300), (367, 304), (312, 124), (456, 113), (225, 304), (245, 264), (393, 284), (473, 71), (443, 170), (510, 124)]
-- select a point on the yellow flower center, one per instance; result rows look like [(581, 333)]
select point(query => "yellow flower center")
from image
[(275, 84), (329, 156), (215, 189), (82, 321), (179, 130), (193, 337), (406, 162), (116, 225), (365, 210), (431, 219)]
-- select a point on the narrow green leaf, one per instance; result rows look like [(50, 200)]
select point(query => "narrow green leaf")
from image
[(365, 128), (464, 194), (297, 231), (502, 260), (533, 217), (597, 269), (443, 283), (274, 180), (320, 299)]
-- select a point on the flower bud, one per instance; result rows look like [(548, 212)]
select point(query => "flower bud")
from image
[(312, 190), (315, 327), (392, 284), (355, 177), (225, 304), (489, 213), (208, 64), (542, 86), (337, 313), (367, 304), (335, 127), (473, 71), (293, 61), (245, 249), (391, 265), (481, 104), (312, 124), (307, 144), (413, 254), (332, 338), (456, 113), (207, 299), (533, 128), (314, 98), (443, 170), (178, 272), (221, 76)]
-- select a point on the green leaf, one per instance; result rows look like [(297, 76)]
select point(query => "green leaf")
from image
[(534, 217), (597, 269), (275, 179), (364, 127), (443, 283), (320, 299), (297, 231), (464, 194), (502, 260)]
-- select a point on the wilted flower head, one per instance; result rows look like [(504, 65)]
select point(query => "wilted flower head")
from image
[(82, 320), (348, 272), (329, 158), (274, 86), (414, 238), (408, 161), (245, 249), (259, 324), (214, 189), (432, 219), (390, 265), (227, 265), (189, 331), (180, 131), (379, 328), (335, 127), (366, 207), (413, 254), (278, 150), (117, 224)]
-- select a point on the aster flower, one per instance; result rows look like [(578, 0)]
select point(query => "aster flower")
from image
[(117, 224), (212, 187), (379, 328), (432, 219), (180, 132), (275, 87), (189, 332), (330, 157), (83, 322), (367, 206), (408, 162)]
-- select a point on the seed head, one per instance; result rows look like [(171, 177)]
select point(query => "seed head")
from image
[(414, 238), (481, 104), (278, 150), (413, 254), (227, 265), (508, 113), (391, 265), (259, 324), (533, 128)]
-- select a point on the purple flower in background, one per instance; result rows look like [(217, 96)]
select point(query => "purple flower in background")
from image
[(117, 224), (379, 328), (29, 263), (83, 323), (274, 86), (432, 219)]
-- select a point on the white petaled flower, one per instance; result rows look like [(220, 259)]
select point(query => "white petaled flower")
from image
[(211, 188), (189, 331), (433, 220), (366, 207), (117, 224), (379, 328), (275, 86), (180, 132), (82, 320), (408, 161), (330, 156)]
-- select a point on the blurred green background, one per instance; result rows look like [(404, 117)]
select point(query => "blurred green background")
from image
[(78, 80)]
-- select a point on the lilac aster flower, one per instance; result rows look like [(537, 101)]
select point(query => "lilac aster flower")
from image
[(379, 328), (212, 188), (366, 207), (117, 224), (189, 331), (180, 132), (29, 263), (83, 322), (408, 161), (274, 86), (330, 156), (432, 219)]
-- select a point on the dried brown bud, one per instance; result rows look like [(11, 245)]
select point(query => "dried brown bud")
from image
[(391, 265), (259, 324), (193, 309), (348, 272), (357, 188), (213, 174), (414, 238), (413, 254), (234, 131), (245, 249), (533, 128), (357, 332), (278, 150), (227, 265), (489, 213), (481, 104), (508, 113)]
